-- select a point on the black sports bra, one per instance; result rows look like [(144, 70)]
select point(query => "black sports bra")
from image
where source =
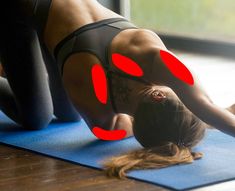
[(95, 38)]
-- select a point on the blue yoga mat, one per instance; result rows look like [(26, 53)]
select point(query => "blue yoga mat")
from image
[(75, 142)]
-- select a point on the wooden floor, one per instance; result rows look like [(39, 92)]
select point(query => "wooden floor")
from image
[(21, 170)]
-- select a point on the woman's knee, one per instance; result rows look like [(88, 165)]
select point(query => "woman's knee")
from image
[(37, 120)]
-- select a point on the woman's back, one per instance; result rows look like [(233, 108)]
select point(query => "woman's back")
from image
[(67, 16)]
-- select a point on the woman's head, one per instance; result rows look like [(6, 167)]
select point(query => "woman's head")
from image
[(165, 128), (161, 117)]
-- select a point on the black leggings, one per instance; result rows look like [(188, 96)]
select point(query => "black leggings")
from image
[(32, 90)]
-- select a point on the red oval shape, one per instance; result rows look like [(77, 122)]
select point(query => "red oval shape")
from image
[(112, 135), (99, 83), (127, 65), (177, 68)]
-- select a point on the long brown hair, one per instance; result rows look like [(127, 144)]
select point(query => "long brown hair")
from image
[(167, 130)]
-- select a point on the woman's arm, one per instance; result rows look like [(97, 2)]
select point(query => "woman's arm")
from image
[(194, 97)]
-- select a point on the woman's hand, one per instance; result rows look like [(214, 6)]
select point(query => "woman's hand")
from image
[(124, 122), (231, 109)]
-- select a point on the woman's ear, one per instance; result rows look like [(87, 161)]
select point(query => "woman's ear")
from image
[(158, 95)]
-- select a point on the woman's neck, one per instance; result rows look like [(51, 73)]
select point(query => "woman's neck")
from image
[(126, 94)]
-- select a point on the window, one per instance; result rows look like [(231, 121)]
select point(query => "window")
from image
[(204, 19)]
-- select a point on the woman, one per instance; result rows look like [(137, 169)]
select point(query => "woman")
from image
[(1, 70), (75, 44)]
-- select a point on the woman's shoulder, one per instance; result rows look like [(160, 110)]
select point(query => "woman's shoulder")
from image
[(138, 42), (140, 45), (144, 36)]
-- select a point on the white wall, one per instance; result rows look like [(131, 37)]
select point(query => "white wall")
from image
[(107, 3), (125, 9)]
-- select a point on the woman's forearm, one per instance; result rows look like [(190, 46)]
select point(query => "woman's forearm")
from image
[(218, 117), (195, 99)]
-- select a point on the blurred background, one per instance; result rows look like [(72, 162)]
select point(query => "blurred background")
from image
[(203, 26), (207, 19)]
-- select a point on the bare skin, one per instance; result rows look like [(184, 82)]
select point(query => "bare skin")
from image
[(143, 47)]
